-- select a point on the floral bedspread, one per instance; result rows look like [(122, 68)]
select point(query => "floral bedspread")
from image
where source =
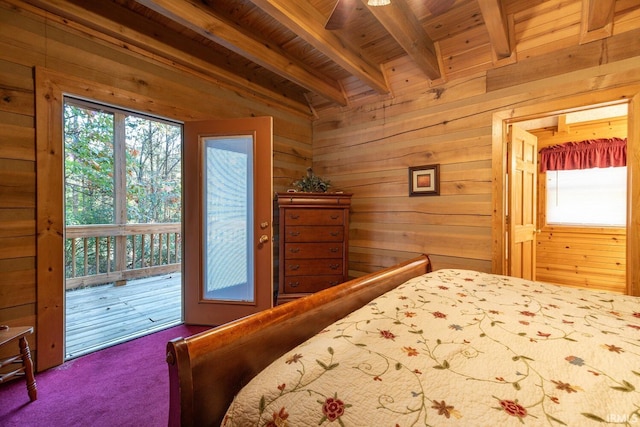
[(457, 347)]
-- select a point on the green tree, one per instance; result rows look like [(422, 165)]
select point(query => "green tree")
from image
[(153, 168), (89, 165), (153, 171)]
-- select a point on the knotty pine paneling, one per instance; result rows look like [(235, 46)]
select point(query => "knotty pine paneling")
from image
[(546, 24), (16, 143), (593, 257), (17, 185), (17, 282), (610, 128), (28, 39)]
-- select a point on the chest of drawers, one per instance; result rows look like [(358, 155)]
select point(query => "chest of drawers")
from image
[(313, 245)]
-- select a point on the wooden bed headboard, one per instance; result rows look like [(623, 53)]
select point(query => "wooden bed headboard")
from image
[(208, 369)]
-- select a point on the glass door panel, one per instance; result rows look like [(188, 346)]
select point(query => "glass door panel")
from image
[(228, 194)]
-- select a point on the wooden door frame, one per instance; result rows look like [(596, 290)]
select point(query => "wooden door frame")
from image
[(501, 120), (50, 89)]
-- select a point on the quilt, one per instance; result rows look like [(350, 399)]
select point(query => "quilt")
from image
[(459, 347)]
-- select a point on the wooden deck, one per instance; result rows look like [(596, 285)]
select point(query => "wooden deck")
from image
[(101, 316)]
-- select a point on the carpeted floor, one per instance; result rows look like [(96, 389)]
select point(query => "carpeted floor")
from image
[(124, 385)]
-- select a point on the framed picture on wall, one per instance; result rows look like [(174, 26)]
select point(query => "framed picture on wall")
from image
[(424, 180)]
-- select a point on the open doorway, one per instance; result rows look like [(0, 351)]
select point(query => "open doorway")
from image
[(581, 213), (122, 225), (501, 123)]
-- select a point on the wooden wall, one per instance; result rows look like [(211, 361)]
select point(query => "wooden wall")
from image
[(587, 257), (28, 39), (592, 258), (367, 148)]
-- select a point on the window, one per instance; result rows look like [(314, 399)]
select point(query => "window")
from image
[(595, 197)]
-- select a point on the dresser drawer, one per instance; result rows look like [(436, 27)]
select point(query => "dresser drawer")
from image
[(314, 216), (307, 284), (307, 233), (307, 267), (313, 250)]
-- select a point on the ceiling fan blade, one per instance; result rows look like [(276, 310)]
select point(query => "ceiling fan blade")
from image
[(438, 7), (340, 14)]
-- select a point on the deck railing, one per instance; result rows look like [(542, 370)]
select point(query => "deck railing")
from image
[(99, 254)]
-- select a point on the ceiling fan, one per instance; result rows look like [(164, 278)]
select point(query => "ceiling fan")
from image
[(343, 8)]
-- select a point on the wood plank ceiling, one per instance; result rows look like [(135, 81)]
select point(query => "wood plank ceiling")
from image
[(281, 52)]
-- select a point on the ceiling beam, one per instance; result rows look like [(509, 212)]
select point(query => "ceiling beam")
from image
[(120, 27), (597, 20), (495, 20), (201, 19), (401, 23), (308, 23), (600, 13), (340, 15)]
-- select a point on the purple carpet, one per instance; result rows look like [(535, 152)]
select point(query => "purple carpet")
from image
[(124, 385)]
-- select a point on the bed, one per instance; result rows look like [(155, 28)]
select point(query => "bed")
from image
[(406, 346)]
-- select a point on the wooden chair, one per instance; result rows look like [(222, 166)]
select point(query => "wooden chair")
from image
[(7, 335)]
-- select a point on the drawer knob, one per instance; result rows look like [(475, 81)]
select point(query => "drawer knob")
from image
[(333, 283), (294, 233), (334, 250), (294, 250), (294, 267), (335, 216), (334, 266), (294, 284), (334, 233), (294, 216)]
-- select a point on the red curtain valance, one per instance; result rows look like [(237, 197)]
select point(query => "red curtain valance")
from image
[(593, 153)]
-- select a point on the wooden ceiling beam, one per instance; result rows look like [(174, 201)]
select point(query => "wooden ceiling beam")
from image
[(600, 13), (109, 23), (308, 23), (201, 19), (495, 20), (401, 23), (597, 19)]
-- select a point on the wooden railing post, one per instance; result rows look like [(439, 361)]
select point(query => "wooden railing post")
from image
[(120, 257), (120, 193)]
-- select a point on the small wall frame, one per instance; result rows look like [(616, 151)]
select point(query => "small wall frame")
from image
[(424, 180)]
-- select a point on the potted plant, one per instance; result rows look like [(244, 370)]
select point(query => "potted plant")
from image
[(312, 183)]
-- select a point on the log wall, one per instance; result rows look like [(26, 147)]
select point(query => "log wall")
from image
[(366, 149), (29, 39)]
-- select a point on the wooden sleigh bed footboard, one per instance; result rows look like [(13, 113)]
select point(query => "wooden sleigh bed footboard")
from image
[(208, 369)]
